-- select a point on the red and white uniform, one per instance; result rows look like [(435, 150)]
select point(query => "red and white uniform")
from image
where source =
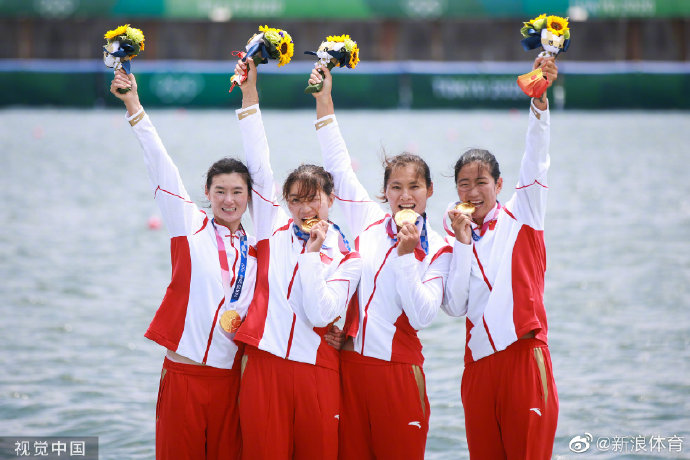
[(298, 294), (397, 296), (504, 301), (188, 319)]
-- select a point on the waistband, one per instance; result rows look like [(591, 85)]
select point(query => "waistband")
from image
[(521, 344), (199, 371), (357, 358)]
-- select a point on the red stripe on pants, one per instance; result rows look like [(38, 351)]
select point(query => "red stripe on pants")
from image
[(511, 404), (384, 412), (288, 409), (197, 415)]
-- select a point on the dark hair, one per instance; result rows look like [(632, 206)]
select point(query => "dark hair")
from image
[(311, 180), (228, 166), (481, 156), (400, 161)]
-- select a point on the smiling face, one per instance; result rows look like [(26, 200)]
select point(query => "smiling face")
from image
[(228, 195), (303, 208), (475, 184), (407, 189)]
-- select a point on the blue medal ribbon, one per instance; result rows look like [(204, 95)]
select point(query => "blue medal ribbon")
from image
[(305, 236)]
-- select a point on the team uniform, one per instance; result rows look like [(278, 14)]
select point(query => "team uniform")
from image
[(508, 391), (289, 398), (196, 413), (385, 409)]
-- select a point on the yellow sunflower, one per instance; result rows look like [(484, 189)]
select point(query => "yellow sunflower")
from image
[(337, 38), (286, 49), (122, 30), (557, 25), (539, 22), (354, 57)]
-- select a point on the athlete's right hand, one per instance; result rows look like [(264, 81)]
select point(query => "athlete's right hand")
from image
[(462, 226), (317, 236)]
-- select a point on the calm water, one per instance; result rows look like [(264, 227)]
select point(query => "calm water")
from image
[(82, 275)]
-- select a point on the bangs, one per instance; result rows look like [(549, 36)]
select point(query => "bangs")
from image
[(303, 188)]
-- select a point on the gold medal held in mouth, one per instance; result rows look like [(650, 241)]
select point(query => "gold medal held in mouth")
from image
[(466, 208), (230, 321), (309, 223), (404, 216)]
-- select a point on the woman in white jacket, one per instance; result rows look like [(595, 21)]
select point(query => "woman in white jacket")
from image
[(508, 390), (213, 276), (385, 409), (290, 392)]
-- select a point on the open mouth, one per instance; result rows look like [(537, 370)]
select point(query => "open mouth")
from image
[(228, 209), (407, 206)]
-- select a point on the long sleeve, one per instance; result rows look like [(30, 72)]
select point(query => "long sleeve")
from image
[(326, 298), (264, 209), (358, 208), (422, 294), (529, 202), (179, 213), (458, 286)]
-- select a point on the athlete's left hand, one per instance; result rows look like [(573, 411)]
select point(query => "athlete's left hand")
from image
[(408, 237), (317, 236)]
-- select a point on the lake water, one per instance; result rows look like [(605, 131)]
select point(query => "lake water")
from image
[(82, 275)]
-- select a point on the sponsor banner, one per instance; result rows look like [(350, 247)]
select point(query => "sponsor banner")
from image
[(408, 85)]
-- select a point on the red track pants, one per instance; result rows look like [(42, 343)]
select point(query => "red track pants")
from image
[(511, 404), (288, 409), (197, 415), (384, 411)]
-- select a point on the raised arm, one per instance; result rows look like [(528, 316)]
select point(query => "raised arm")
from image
[(264, 208), (180, 214), (359, 209), (529, 201)]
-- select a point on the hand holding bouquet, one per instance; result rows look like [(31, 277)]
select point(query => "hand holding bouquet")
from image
[(269, 43), (122, 45), (337, 50), (552, 34)]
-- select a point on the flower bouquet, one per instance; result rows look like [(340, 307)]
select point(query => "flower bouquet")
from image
[(337, 50), (269, 43), (552, 34), (122, 45)]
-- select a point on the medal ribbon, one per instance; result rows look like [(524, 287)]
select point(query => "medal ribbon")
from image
[(488, 224), (342, 241), (225, 269)]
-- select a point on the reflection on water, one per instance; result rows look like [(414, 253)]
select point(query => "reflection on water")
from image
[(82, 274)]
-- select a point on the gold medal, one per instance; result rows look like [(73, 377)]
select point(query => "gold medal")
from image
[(230, 321), (309, 223), (466, 208), (404, 216)]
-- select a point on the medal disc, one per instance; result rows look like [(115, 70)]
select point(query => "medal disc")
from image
[(309, 223), (405, 216), (465, 208), (230, 321)]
